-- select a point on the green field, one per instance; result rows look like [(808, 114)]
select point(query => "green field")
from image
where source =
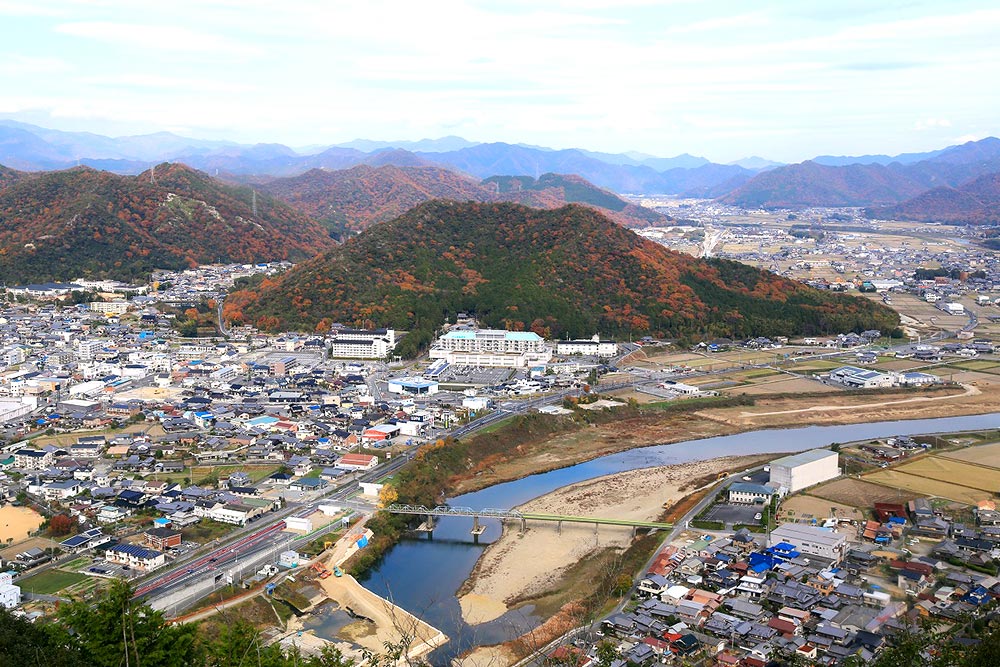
[(205, 530), (50, 581), (975, 365)]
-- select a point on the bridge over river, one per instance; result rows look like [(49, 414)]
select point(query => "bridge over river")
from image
[(430, 514)]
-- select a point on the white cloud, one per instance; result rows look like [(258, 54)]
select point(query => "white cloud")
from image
[(21, 65), (155, 37), (155, 81), (15, 8), (931, 123), (966, 138)]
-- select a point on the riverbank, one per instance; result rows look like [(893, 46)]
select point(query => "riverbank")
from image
[(380, 624), (519, 568), (571, 446)]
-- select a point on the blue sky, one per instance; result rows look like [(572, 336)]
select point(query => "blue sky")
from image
[(785, 80)]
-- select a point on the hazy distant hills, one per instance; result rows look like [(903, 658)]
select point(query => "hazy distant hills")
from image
[(32, 148), (568, 271), (81, 222), (813, 184), (865, 181), (975, 202), (350, 200)]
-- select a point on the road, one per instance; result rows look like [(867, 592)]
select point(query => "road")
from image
[(250, 544)]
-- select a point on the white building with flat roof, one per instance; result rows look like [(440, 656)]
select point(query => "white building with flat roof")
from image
[(10, 595), (810, 540), (492, 347), (361, 343), (798, 471), (860, 378), (590, 347)]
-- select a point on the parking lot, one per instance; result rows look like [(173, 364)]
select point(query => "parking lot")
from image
[(474, 377), (732, 514)]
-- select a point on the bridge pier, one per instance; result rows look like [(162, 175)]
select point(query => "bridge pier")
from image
[(427, 526), (477, 529)]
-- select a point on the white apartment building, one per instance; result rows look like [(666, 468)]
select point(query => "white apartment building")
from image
[(109, 307), (590, 347), (804, 469), (33, 459), (86, 349), (361, 343), (492, 347), (12, 355), (10, 595)]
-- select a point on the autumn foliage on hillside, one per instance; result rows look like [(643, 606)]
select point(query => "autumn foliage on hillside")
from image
[(81, 222), (563, 272), (351, 200)]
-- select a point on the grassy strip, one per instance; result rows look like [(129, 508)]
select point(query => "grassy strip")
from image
[(50, 581)]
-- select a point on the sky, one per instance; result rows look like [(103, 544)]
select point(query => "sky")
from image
[(782, 79)]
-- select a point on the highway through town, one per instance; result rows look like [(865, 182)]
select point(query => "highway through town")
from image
[(256, 539)]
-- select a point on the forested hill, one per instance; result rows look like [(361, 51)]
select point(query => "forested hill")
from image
[(555, 190), (569, 271), (347, 201), (976, 203), (80, 223), (814, 184)]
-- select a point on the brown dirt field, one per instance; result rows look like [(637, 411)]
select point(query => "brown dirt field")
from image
[(16, 548), (900, 365), (953, 472), (785, 384), (928, 487), (984, 455), (589, 443), (638, 396), (809, 507), (859, 493), (18, 523), (853, 408)]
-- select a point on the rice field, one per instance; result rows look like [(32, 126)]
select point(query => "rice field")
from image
[(924, 486), (988, 455), (859, 493), (953, 472)]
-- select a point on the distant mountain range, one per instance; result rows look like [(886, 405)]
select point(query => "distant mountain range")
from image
[(863, 181), (81, 222), (568, 271), (31, 148), (813, 184), (974, 202), (350, 200)]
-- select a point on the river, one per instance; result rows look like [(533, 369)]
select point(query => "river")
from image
[(422, 575)]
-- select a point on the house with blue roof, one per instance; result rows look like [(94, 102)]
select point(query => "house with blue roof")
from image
[(135, 556)]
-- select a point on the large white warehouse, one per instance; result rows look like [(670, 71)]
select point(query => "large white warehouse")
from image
[(804, 469)]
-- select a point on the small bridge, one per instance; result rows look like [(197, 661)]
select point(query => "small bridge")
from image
[(513, 515)]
